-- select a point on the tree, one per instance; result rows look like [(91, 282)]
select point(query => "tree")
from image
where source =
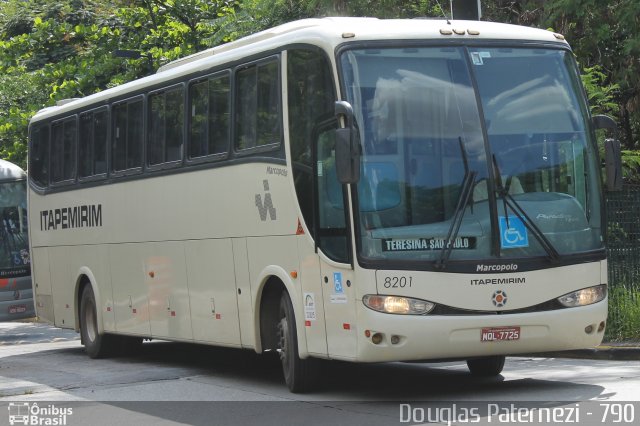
[(602, 34), (53, 50)]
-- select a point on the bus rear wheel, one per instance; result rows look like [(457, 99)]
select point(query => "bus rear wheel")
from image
[(96, 345), (486, 367), (299, 374)]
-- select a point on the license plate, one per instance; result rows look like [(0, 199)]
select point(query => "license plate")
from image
[(494, 334), (17, 309)]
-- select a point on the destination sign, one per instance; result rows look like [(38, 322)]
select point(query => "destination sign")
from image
[(425, 244)]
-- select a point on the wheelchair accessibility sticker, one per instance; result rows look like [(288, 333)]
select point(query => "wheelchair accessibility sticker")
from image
[(513, 233)]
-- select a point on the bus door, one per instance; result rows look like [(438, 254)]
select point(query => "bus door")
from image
[(332, 235)]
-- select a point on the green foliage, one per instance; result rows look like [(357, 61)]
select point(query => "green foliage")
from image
[(601, 94), (258, 15), (631, 166), (53, 50), (19, 97), (624, 314), (68, 44), (603, 34)]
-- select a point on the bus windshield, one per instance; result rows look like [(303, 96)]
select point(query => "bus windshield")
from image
[(489, 146), (14, 242)]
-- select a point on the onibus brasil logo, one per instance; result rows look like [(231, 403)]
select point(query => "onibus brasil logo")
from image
[(23, 413)]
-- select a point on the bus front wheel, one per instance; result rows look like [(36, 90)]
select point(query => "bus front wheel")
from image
[(299, 374), (486, 367), (96, 345)]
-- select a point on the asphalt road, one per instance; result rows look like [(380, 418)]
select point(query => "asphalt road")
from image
[(169, 383)]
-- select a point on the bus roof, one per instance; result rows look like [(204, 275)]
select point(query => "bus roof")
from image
[(325, 32), (10, 172)]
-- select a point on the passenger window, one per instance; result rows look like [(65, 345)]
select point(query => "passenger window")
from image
[(39, 156), (63, 148), (93, 149), (258, 121), (166, 124), (209, 127), (126, 136)]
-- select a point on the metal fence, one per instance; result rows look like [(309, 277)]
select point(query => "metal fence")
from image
[(623, 234)]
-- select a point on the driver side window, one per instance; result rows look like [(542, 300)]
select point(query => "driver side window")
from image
[(311, 98), (332, 228)]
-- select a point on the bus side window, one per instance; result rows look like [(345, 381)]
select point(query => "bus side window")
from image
[(311, 98), (165, 127), (333, 235), (93, 143), (209, 125), (39, 156), (257, 108), (63, 149), (126, 137)]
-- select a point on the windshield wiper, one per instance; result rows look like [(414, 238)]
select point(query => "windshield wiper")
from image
[(510, 202), (466, 191)]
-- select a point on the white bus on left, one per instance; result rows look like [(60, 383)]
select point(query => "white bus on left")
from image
[(16, 294)]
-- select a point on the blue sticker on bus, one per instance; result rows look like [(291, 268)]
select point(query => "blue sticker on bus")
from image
[(337, 283), (513, 233)]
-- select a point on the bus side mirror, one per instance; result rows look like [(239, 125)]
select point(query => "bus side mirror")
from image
[(613, 164), (348, 148), (612, 153)]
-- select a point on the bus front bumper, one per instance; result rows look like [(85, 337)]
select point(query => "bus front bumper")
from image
[(412, 338)]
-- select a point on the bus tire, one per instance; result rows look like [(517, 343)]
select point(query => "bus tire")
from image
[(486, 367), (96, 345), (299, 374)]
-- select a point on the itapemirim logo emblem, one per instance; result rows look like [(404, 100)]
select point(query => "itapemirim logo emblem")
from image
[(499, 298), (24, 413)]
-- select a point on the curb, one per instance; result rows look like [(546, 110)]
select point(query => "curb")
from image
[(613, 353)]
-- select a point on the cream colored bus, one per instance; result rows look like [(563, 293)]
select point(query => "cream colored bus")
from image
[(342, 188)]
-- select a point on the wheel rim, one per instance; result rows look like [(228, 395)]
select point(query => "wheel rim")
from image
[(283, 344), (90, 322)]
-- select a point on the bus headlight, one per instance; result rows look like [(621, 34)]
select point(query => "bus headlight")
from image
[(397, 305), (586, 296)]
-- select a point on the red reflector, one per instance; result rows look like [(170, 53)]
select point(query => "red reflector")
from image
[(67, 306), (346, 326), (307, 323), (108, 308), (218, 316), (300, 230), (173, 313), (135, 310)]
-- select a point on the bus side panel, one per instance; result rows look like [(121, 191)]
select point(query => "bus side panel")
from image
[(312, 297), (131, 305), (42, 284), (63, 285), (212, 291), (281, 252), (151, 296), (340, 311), (92, 261), (243, 284), (165, 278)]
